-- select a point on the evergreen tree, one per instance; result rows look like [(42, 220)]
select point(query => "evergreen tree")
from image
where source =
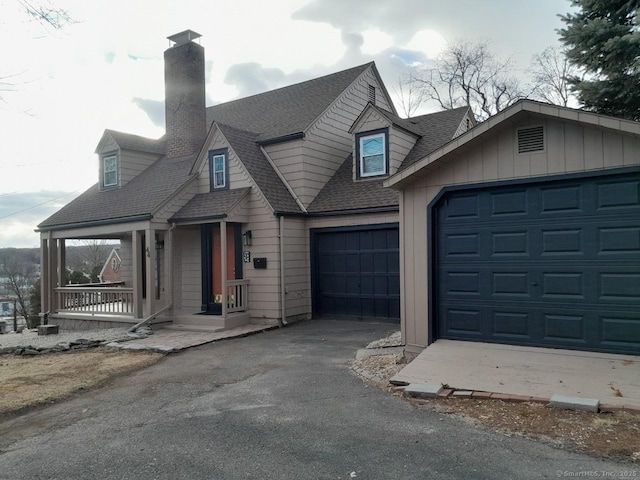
[(603, 39)]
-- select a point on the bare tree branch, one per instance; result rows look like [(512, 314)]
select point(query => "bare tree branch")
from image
[(551, 73), (19, 279), (469, 74), (46, 13)]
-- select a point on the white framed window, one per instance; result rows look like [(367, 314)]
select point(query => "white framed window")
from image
[(219, 177), (110, 171), (218, 169), (372, 154)]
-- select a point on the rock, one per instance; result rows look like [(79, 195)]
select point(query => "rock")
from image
[(61, 347), (30, 351)]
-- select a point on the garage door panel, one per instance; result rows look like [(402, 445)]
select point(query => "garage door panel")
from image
[(562, 270), (356, 272), (568, 199), (461, 245), (461, 283), (620, 195), (619, 240), (511, 325), (510, 284), (619, 287), (565, 328), (565, 286), (509, 203), (563, 241), (462, 323), (621, 331), (512, 243)]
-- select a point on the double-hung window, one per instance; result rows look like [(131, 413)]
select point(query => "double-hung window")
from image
[(218, 169), (110, 170), (372, 153)]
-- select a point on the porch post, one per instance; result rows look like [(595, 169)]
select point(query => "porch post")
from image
[(45, 304), (223, 265), (53, 272), (62, 263), (168, 266), (137, 274), (150, 251)]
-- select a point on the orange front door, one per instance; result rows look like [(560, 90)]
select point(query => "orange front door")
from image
[(216, 260)]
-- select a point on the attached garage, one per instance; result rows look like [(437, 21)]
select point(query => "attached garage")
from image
[(356, 271), (552, 263), (525, 230)]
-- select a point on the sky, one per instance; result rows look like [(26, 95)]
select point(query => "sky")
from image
[(59, 90)]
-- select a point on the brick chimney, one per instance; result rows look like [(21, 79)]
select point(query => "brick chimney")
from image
[(185, 116)]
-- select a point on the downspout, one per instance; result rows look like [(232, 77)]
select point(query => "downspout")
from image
[(282, 321), (169, 305)]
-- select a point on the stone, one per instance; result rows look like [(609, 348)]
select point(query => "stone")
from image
[(48, 329), (574, 403), (425, 390)]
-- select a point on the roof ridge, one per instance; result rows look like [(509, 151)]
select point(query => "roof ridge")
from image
[(311, 80)]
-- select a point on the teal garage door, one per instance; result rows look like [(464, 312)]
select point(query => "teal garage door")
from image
[(356, 271), (552, 264)]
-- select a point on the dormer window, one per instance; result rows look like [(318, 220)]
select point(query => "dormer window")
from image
[(372, 153), (110, 170), (218, 169)]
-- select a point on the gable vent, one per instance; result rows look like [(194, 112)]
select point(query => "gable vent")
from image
[(372, 94), (531, 139)]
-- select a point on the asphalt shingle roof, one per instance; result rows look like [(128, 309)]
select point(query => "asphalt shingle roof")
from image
[(214, 204), (141, 196), (343, 193), (435, 129), (286, 110), (244, 144), (244, 122)]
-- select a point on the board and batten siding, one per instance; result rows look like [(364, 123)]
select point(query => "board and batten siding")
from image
[(570, 148)]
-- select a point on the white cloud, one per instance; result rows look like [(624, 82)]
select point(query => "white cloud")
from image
[(98, 72), (428, 41)]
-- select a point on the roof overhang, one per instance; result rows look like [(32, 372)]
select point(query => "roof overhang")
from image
[(503, 120)]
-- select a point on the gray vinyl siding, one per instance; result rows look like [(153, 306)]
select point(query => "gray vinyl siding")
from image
[(187, 270), (238, 175), (133, 163), (126, 258), (296, 261), (570, 148), (400, 142)]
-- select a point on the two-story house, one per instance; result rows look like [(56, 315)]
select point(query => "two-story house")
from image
[(269, 208)]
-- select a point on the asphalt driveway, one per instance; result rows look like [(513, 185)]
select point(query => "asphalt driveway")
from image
[(282, 404)]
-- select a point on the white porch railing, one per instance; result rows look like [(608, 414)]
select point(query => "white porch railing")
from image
[(237, 295), (96, 300)]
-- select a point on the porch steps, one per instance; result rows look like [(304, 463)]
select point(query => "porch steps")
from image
[(207, 323), (184, 327)]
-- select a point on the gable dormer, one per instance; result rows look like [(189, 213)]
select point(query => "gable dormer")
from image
[(381, 141), (121, 157)]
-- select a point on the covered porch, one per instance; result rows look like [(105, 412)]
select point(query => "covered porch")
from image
[(146, 293)]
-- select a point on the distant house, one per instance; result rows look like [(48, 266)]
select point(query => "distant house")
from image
[(269, 208), (111, 272)]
